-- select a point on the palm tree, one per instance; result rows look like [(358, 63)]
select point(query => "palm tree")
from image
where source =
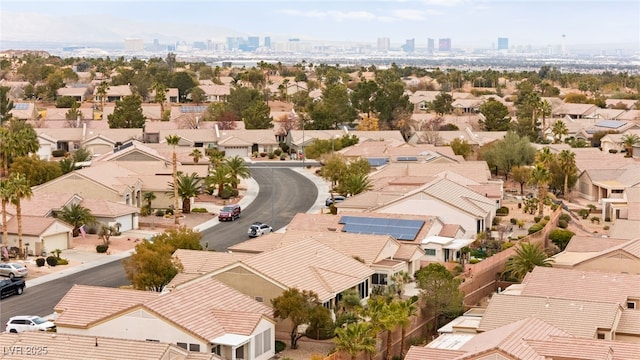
[(6, 193), (354, 183), (149, 196), (19, 185), (67, 165), (76, 215), (196, 155), (527, 257), (407, 309), (559, 129), (160, 95), (540, 176), (173, 140), (391, 318), (219, 177), (629, 141), (102, 93), (188, 187), (545, 157), (545, 110), (356, 338), (568, 164), (238, 168)]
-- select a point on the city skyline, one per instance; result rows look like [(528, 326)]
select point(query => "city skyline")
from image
[(467, 23)]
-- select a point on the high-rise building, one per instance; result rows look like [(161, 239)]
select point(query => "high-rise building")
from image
[(384, 44), (133, 44), (253, 42), (503, 43), (267, 42), (409, 45), (430, 46), (444, 44)]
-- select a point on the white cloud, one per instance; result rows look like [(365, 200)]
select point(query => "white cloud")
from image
[(409, 14), (335, 15), (447, 3)]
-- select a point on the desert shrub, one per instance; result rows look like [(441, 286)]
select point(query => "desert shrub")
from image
[(547, 217), (560, 238), (595, 219), (159, 212), (503, 211), (606, 227), (280, 345), (283, 157), (474, 261), (102, 248), (168, 212), (62, 261), (507, 244), (496, 221), (613, 151), (40, 262), (607, 219), (199, 210), (277, 152), (537, 219), (256, 154), (263, 154), (283, 145), (272, 155), (563, 224), (566, 217), (513, 221), (52, 260), (535, 228), (584, 213)]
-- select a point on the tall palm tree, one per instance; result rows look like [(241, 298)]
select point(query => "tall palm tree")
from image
[(149, 196), (545, 110), (102, 93), (6, 193), (390, 319), (559, 129), (160, 95), (188, 186), (356, 338), (407, 309), (354, 183), (629, 141), (238, 168), (567, 160), (545, 157), (540, 176), (76, 215), (527, 257), (174, 140), (19, 184)]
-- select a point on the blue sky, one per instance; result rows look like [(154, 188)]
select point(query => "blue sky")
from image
[(466, 22)]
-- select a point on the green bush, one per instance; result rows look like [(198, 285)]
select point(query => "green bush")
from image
[(537, 219), (283, 145), (503, 211), (66, 102), (566, 217), (280, 345), (584, 213), (58, 153), (102, 248), (562, 224), (560, 237), (52, 260), (40, 262), (606, 227), (547, 217), (272, 155), (62, 261), (159, 212), (168, 212), (283, 157), (277, 152), (199, 210), (513, 221), (496, 221), (474, 261), (256, 154), (535, 228), (595, 219)]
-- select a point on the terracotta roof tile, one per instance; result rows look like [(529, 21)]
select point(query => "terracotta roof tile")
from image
[(35, 225), (202, 262), (422, 353), (106, 208)]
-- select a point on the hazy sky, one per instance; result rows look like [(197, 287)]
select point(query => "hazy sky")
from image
[(466, 22)]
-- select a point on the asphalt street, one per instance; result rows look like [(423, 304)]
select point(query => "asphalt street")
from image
[(283, 193)]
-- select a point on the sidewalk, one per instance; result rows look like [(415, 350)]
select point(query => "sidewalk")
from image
[(87, 259)]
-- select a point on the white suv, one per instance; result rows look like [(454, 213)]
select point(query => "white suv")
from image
[(18, 324), (258, 229)]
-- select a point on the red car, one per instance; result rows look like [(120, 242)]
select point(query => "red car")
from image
[(229, 212)]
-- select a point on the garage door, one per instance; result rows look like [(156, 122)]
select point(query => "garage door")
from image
[(126, 222), (57, 241), (233, 151)]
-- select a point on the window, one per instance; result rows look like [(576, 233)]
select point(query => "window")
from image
[(152, 340), (266, 340), (259, 299), (617, 191), (631, 305), (182, 345), (600, 336), (257, 345), (363, 289), (194, 347), (216, 349), (240, 352), (430, 252), (379, 279)]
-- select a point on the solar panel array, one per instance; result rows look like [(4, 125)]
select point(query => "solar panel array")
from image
[(377, 161), (400, 229), (192, 109), (21, 106), (406, 158), (612, 124)]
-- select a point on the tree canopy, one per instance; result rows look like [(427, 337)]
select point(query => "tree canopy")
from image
[(127, 113), (511, 151), (297, 306)]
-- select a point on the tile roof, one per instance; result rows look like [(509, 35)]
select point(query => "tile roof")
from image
[(85, 305), (68, 346), (581, 285), (214, 309), (202, 262), (576, 317), (477, 171), (450, 230), (310, 265), (36, 225), (41, 203), (580, 243), (106, 208)]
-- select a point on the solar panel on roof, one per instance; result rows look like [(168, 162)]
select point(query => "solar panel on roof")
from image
[(400, 229), (611, 124), (407, 158), (21, 106), (192, 109), (377, 161)]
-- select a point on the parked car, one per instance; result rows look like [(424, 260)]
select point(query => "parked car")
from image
[(9, 287), (229, 212), (258, 229), (336, 199), (19, 324), (13, 270)]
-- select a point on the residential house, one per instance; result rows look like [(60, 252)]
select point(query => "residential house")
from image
[(601, 254), (526, 339), (216, 93), (206, 316), (619, 126), (24, 111), (92, 347), (171, 97), (603, 175), (382, 253), (297, 139), (381, 152), (574, 111), (614, 142), (79, 93), (114, 93), (474, 138), (39, 234), (244, 143), (445, 248), (629, 104), (96, 141)]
